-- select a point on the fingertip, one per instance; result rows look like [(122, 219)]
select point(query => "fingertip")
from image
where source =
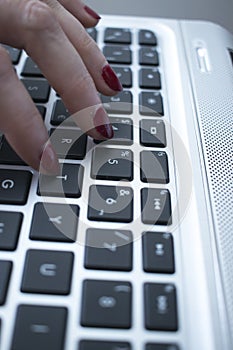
[(49, 164), (102, 124), (111, 79), (92, 13)]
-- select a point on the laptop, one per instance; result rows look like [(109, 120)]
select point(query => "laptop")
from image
[(131, 247)]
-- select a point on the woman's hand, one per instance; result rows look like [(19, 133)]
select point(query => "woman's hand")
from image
[(53, 35)]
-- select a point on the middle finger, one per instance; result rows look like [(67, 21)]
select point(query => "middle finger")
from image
[(104, 77)]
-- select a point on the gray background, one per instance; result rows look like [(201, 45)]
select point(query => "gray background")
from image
[(219, 11)]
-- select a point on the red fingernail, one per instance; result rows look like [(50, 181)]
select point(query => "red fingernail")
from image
[(111, 78), (102, 124), (91, 12)]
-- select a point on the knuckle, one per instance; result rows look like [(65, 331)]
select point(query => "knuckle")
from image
[(87, 43), (38, 16), (81, 84), (85, 82)]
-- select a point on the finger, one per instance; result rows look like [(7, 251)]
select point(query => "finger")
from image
[(34, 22), (86, 15), (104, 77), (20, 121)]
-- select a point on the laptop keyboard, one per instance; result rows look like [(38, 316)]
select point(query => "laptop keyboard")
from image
[(88, 259)]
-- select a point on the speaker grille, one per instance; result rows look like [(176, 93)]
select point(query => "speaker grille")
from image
[(214, 95)]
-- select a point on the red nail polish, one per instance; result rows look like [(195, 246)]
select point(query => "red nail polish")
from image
[(102, 124), (111, 78), (92, 13)]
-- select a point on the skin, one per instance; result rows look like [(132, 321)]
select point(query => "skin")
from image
[(45, 30)]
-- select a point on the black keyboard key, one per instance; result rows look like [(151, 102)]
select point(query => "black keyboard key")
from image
[(123, 132), (117, 36), (150, 104), (152, 133), (106, 304), (118, 54), (119, 104), (39, 327), (30, 69), (110, 203), (103, 345), (47, 272), (38, 89), (54, 222), (68, 184), (161, 346), (124, 74), (69, 143), (158, 252), (147, 37), (14, 186), (156, 206), (14, 53), (160, 307), (92, 32), (5, 272), (148, 56), (60, 114), (108, 250), (42, 111), (149, 78), (112, 164), (8, 155), (154, 167), (10, 226)]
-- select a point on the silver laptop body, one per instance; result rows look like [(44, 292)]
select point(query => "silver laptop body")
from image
[(196, 71)]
